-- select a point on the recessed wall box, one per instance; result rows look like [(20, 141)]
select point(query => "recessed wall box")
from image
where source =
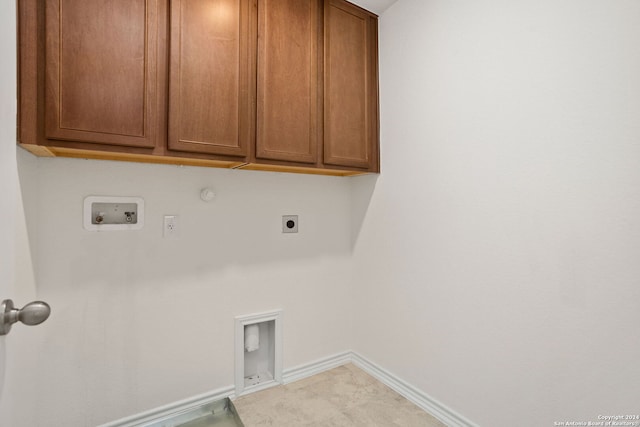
[(104, 213), (258, 352)]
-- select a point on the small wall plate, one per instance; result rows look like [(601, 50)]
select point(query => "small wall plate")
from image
[(289, 223)]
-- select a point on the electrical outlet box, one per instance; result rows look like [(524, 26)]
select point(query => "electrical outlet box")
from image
[(105, 213), (289, 223)]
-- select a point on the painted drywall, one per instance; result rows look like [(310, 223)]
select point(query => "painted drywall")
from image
[(137, 321), (8, 202), (140, 321), (21, 382), (375, 6), (498, 253), (495, 257), (17, 360)]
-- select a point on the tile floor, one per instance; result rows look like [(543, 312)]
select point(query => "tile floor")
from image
[(344, 396)]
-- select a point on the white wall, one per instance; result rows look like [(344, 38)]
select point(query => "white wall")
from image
[(495, 257), (375, 6), (16, 261), (8, 200), (139, 321), (498, 254)]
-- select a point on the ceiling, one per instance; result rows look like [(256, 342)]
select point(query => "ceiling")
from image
[(375, 6)]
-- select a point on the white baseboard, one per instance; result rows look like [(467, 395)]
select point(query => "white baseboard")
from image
[(156, 415), (446, 415), (443, 413), (303, 371)]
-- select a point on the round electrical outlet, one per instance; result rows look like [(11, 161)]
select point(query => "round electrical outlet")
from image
[(290, 223)]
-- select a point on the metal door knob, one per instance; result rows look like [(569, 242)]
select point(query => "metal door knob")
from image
[(33, 313)]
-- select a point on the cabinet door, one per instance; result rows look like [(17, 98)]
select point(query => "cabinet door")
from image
[(101, 59), (351, 87), (212, 66), (289, 88)]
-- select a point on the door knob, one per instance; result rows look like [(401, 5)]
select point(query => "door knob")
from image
[(33, 313)]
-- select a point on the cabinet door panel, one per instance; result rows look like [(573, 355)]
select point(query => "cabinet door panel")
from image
[(100, 71), (211, 97), (350, 127), (288, 81)]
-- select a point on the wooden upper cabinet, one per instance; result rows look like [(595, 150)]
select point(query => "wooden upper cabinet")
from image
[(100, 71), (289, 85), (351, 87), (286, 85), (212, 76)]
